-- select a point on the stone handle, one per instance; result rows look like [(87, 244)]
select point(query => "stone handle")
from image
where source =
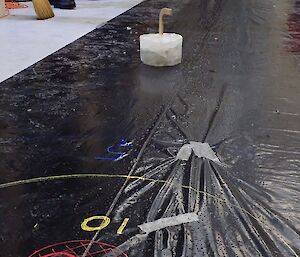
[(163, 12)]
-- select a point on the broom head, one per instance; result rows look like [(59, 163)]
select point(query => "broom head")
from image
[(43, 9)]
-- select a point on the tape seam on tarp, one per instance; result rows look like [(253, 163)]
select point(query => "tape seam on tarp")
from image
[(201, 150)]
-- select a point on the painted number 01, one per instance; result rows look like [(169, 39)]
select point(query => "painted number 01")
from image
[(105, 222)]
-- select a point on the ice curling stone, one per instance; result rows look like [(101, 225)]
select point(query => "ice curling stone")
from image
[(162, 49)]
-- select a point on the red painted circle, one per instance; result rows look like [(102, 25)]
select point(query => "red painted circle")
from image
[(59, 254), (76, 248)]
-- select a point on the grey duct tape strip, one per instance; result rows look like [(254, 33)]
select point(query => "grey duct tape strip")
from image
[(168, 222), (201, 150)]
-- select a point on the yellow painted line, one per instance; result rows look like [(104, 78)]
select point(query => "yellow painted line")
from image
[(97, 175), (74, 176), (123, 225)]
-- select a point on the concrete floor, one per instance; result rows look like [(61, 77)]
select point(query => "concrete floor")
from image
[(26, 40)]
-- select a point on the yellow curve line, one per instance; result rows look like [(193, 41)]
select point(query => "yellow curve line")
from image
[(49, 178), (97, 175)]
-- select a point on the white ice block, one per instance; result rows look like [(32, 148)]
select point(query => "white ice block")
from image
[(161, 49)]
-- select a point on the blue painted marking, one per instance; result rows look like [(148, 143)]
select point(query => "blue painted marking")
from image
[(120, 155)]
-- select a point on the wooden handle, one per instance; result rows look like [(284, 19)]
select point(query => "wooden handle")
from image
[(163, 11)]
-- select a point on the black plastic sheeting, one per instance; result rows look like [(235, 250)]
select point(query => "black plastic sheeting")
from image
[(237, 89)]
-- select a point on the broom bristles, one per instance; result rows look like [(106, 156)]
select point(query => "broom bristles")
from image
[(43, 9)]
